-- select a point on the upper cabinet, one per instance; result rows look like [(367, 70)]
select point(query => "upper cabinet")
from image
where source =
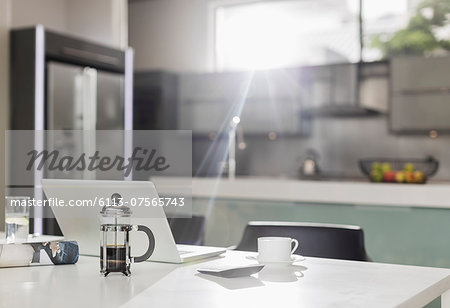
[(282, 84), (373, 90), (211, 87), (281, 100), (329, 87), (206, 100), (420, 94), (274, 103), (265, 101)]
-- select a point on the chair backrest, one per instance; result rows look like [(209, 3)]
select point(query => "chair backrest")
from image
[(315, 240), (188, 231)]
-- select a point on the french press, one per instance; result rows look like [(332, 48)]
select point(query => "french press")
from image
[(115, 250)]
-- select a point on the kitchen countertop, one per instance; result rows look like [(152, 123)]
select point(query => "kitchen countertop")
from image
[(432, 195)]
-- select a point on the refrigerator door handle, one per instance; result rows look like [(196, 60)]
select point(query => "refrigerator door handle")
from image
[(89, 116), (90, 99)]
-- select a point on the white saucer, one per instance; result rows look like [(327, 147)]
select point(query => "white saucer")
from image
[(294, 258)]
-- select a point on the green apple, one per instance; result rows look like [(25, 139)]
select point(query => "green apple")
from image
[(409, 167), (376, 166), (385, 167), (376, 176)]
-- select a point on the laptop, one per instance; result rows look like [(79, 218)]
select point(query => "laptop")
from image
[(82, 223)]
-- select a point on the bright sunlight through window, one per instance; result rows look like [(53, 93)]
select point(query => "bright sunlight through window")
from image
[(284, 33), (273, 34)]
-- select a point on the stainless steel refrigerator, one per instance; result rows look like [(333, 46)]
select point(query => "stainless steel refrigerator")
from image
[(64, 83)]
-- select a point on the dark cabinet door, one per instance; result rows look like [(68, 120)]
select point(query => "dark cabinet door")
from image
[(420, 94)]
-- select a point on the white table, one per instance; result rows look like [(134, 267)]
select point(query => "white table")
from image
[(311, 283)]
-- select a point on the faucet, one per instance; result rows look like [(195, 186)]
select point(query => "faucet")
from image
[(235, 132)]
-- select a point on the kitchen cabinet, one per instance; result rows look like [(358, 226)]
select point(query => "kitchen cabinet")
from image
[(154, 100), (266, 101), (206, 101), (212, 86), (203, 116), (274, 103), (420, 113), (280, 84), (317, 85), (420, 73), (330, 89), (273, 115), (421, 244), (420, 94), (374, 86)]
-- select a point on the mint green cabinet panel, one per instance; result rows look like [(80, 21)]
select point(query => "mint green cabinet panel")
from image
[(402, 235)]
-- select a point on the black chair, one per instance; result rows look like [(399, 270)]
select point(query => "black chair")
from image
[(315, 240), (188, 231)]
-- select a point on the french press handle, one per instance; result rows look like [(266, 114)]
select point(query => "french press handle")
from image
[(151, 243)]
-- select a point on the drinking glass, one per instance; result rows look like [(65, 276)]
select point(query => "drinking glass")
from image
[(17, 214)]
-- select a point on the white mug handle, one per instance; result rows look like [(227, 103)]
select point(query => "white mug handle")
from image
[(293, 240)]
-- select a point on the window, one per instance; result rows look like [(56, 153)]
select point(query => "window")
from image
[(283, 33), (405, 27), (271, 34)]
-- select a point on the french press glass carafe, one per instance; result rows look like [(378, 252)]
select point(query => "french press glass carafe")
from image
[(115, 250)]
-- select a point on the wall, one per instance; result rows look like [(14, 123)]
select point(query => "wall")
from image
[(50, 13), (4, 97), (169, 34), (341, 143), (102, 21)]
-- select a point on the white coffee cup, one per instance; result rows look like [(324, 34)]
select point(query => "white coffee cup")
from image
[(276, 249)]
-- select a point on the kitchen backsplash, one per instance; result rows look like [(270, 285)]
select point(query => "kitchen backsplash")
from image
[(340, 143)]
